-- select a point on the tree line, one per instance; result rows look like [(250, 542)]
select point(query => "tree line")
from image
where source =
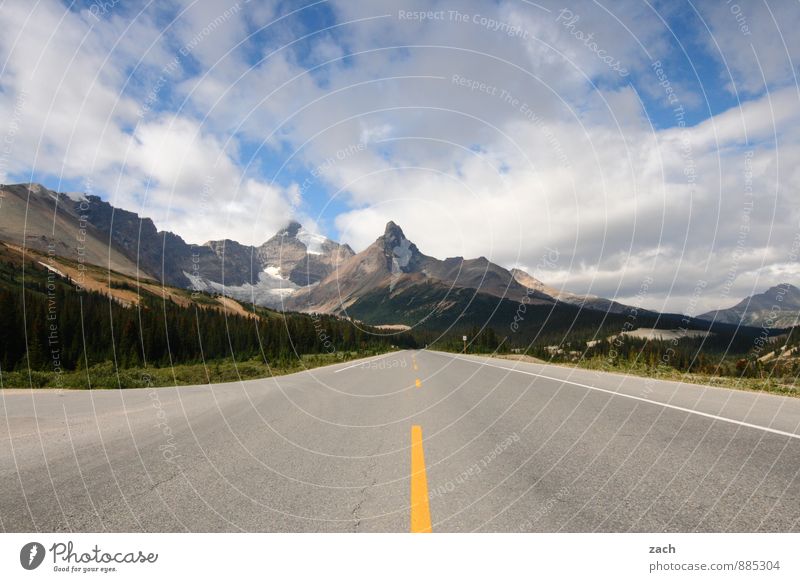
[(49, 325)]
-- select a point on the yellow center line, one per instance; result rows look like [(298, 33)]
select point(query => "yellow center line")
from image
[(420, 507), (418, 383)]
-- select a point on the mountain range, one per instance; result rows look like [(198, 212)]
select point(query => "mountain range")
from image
[(390, 282)]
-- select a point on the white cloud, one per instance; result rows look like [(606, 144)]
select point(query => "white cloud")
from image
[(757, 43), (502, 132), (78, 82)]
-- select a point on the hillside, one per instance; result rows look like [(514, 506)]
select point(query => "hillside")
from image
[(777, 307)]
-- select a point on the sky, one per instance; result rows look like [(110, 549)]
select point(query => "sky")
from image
[(643, 151)]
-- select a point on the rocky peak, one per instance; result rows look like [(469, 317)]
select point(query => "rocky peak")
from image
[(400, 253), (783, 289), (785, 296), (393, 230), (393, 237), (290, 229)]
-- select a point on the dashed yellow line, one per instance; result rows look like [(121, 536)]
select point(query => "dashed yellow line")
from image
[(418, 383), (420, 505)]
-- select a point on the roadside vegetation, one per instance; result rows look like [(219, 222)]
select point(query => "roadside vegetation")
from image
[(107, 376), (746, 360)]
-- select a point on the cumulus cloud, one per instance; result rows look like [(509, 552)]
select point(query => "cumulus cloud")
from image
[(88, 90)]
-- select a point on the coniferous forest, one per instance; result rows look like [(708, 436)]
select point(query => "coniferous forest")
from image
[(50, 326)]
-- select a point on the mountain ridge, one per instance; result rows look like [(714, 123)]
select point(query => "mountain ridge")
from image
[(777, 307), (296, 269)]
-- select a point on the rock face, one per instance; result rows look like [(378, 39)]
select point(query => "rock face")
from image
[(163, 254), (302, 257), (776, 307), (237, 263), (31, 216)]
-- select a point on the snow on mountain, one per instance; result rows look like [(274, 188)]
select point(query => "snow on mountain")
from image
[(76, 196), (270, 290), (314, 242)]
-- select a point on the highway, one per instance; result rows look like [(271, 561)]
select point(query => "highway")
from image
[(410, 441)]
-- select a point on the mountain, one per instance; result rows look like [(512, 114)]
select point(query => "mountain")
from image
[(393, 265), (584, 301), (162, 254), (34, 217), (776, 307), (375, 267), (302, 257), (87, 229), (295, 269), (290, 260)]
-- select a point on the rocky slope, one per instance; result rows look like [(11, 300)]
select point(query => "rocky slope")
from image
[(302, 257), (34, 217), (584, 301), (776, 307)]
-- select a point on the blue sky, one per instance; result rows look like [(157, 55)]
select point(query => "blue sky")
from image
[(497, 131)]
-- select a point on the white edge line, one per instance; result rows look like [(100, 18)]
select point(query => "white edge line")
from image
[(365, 360), (639, 398)]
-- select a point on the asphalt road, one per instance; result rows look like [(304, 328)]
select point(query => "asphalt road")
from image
[(409, 441)]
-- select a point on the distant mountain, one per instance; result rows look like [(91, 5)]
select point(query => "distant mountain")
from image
[(393, 265), (776, 307), (390, 282), (302, 257), (34, 217), (290, 260), (87, 229), (584, 301)]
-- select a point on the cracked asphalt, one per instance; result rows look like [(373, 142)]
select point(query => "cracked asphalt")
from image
[(507, 447)]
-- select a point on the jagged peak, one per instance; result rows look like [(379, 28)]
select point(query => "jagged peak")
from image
[(214, 244), (393, 236), (393, 230), (291, 229)]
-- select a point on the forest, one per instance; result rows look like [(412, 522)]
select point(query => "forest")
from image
[(50, 326)]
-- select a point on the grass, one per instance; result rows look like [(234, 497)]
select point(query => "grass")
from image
[(105, 376), (773, 385)]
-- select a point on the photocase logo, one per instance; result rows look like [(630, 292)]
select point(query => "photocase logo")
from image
[(31, 555)]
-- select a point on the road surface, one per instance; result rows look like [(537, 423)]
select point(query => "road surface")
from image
[(411, 441)]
